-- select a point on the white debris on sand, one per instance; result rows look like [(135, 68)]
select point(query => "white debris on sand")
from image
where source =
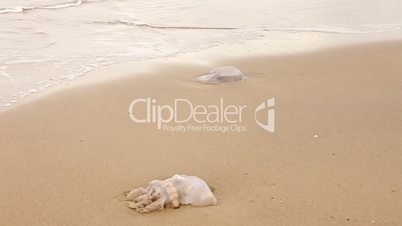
[(172, 192), (222, 74)]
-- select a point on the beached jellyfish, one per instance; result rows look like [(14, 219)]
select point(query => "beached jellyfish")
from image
[(222, 74), (172, 192)]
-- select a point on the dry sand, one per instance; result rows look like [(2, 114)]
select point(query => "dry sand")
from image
[(66, 158)]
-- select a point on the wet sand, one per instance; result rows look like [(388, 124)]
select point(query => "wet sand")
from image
[(335, 158)]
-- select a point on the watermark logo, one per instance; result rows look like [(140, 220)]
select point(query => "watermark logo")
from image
[(268, 106), (181, 115)]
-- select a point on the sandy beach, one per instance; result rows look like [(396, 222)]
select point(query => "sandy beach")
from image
[(334, 159)]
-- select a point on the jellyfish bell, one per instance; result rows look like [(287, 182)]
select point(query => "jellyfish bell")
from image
[(172, 192), (222, 74)]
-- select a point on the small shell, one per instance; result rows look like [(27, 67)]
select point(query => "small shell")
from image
[(222, 74)]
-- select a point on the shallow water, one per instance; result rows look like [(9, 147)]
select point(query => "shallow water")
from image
[(44, 43)]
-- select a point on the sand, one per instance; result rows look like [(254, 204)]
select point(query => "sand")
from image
[(335, 157)]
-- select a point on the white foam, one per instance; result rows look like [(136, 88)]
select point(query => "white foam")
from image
[(58, 5), (16, 9), (62, 40)]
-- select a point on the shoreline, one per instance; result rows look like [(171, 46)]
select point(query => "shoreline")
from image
[(334, 159), (292, 44)]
